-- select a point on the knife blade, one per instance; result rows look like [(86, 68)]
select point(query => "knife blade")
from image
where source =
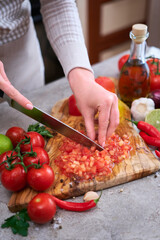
[(52, 122)]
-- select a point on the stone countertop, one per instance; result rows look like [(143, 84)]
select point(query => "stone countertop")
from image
[(126, 212)]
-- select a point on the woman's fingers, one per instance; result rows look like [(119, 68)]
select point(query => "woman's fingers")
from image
[(89, 124), (108, 118), (2, 72), (103, 122), (114, 118), (14, 94)]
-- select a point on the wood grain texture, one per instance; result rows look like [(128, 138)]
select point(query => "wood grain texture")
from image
[(140, 164)]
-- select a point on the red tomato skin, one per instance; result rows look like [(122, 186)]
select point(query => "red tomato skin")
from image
[(42, 208), (73, 109), (106, 83), (14, 180), (41, 158), (154, 82), (40, 179), (122, 61), (154, 75), (36, 140), (153, 64), (3, 157), (15, 134)]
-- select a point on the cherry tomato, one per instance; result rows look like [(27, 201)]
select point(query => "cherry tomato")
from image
[(36, 140), (40, 179), (41, 158), (154, 67), (154, 82), (107, 83), (15, 134), (152, 64), (3, 157), (42, 208), (73, 109), (122, 61), (15, 179)]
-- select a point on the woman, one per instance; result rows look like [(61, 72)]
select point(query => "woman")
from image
[(21, 56)]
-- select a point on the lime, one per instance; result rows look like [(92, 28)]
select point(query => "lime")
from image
[(153, 118), (5, 144)]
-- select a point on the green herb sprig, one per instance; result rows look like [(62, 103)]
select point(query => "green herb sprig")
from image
[(18, 223), (40, 129)]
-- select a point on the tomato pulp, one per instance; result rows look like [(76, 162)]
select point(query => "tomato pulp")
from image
[(81, 163)]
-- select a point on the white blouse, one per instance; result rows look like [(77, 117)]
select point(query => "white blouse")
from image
[(62, 24)]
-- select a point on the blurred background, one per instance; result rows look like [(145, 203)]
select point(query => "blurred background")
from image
[(106, 25)]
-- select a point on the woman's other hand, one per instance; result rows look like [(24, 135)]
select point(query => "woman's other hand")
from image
[(92, 98)]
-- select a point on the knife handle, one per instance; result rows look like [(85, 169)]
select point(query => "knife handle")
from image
[(1, 93)]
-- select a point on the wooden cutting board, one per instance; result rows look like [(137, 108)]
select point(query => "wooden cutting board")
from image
[(140, 164)]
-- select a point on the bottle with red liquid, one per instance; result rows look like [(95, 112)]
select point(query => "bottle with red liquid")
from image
[(134, 81)]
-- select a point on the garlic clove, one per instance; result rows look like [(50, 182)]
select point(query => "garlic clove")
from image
[(91, 195)]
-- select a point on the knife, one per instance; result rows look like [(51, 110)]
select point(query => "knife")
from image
[(52, 122)]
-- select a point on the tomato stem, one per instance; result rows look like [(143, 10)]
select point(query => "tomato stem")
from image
[(155, 63), (19, 163), (9, 160), (36, 165), (158, 73)]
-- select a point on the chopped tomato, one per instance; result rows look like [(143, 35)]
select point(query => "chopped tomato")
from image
[(79, 162)]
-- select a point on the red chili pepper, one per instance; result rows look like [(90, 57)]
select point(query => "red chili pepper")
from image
[(77, 207), (147, 128), (150, 140), (157, 153)]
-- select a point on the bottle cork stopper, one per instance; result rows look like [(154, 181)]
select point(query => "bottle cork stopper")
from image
[(139, 31)]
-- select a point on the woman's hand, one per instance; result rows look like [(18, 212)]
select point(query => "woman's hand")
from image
[(90, 98), (13, 93)]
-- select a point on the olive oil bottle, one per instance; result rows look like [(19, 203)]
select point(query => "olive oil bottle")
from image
[(134, 81)]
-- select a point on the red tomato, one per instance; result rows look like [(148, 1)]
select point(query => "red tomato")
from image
[(154, 74), (41, 158), (15, 134), (42, 208), (40, 179), (3, 157), (152, 64), (122, 61), (15, 179), (154, 82), (107, 83), (36, 140), (73, 109)]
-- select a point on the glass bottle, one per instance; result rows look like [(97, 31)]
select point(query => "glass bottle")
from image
[(134, 78)]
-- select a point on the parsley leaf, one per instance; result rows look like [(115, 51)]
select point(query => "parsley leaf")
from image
[(18, 223), (40, 129)]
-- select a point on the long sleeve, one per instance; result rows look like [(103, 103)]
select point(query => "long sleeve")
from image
[(63, 28)]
